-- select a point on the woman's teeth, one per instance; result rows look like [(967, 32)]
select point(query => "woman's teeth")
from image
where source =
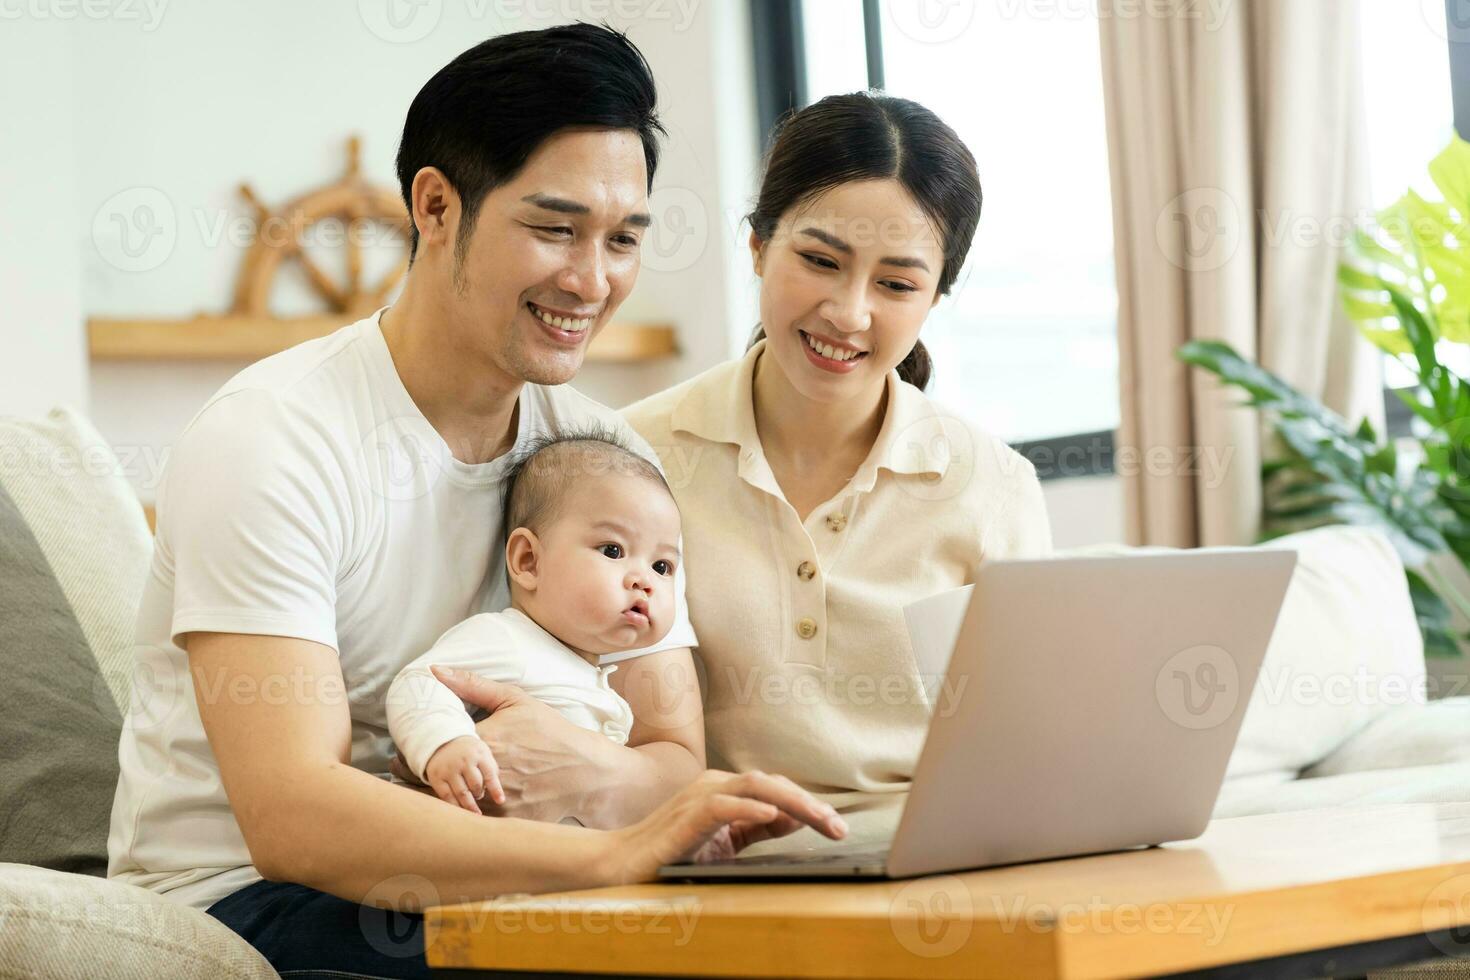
[(561, 322), (830, 352)]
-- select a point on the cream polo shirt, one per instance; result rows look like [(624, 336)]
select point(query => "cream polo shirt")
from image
[(803, 642)]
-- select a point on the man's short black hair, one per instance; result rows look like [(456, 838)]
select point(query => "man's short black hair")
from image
[(481, 116), (541, 473)]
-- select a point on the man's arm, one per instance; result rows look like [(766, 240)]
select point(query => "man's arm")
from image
[(309, 817)]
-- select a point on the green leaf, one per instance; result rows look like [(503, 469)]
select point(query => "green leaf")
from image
[(1434, 617)]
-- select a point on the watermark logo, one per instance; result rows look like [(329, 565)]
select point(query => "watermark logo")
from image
[(148, 12), (932, 917), (1446, 916), (135, 230), (1198, 687), (1447, 21), (1199, 230), (400, 21), (388, 930), (932, 21), (680, 230)]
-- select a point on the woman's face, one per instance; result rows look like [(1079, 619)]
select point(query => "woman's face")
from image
[(846, 282)]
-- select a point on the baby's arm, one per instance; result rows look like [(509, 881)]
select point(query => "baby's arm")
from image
[(424, 715)]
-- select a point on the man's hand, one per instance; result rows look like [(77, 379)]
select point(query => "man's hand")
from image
[(463, 770), (547, 764)]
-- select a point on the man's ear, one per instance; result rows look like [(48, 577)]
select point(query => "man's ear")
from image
[(436, 210), (523, 558), (756, 251)]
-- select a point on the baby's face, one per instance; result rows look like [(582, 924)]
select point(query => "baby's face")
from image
[(605, 579)]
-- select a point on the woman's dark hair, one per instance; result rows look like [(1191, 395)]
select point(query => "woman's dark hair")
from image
[(481, 116), (867, 136)]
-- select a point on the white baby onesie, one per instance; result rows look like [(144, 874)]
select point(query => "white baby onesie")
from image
[(505, 646)]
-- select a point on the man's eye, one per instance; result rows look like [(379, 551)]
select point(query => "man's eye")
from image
[(613, 551), (627, 241), (663, 567), (560, 230)]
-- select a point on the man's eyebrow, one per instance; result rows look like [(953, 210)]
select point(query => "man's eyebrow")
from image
[(559, 204), (562, 205), (902, 261)]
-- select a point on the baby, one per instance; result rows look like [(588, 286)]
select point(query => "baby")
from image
[(590, 557)]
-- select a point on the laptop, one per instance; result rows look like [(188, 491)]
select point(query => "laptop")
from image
[(1093, 703)]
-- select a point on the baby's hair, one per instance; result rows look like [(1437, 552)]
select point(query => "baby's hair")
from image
[(542, 472)]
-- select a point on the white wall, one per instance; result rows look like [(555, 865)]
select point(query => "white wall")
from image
[(42, 358)]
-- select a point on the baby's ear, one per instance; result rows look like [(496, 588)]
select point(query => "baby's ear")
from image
[(522, 552)]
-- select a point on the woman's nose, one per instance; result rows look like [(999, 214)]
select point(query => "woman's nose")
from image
[(848, 313)]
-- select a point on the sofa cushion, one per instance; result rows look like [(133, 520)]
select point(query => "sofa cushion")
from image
[(59, 925), (1447, 782), (1409, 735), (74, 548)]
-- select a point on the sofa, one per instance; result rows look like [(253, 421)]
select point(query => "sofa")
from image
[(1339, 719)]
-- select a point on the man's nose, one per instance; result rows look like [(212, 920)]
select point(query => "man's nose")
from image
[(585, 275)]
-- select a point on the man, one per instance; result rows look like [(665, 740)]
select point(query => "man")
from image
[(334, 509)]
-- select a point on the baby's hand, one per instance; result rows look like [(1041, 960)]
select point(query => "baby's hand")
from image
[(461, 771)]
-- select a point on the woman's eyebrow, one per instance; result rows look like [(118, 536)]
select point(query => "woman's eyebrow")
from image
[(902, 261), (562, 205)]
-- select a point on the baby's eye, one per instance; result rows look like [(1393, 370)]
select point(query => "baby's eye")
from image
[(663, 567), (613, 551)]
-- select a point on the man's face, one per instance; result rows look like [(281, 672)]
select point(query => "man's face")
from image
[(553, 254)]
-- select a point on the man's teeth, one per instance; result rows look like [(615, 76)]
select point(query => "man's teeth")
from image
[(562, 322), (828, 351)]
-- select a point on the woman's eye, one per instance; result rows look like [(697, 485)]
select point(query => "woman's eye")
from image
[(663, 567), (820, 261), (900, 287), (613, 551)]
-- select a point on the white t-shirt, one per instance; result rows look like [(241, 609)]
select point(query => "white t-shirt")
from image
[(309, 498), (510, 647)]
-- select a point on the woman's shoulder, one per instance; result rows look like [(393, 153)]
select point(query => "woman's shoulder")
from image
[(972, 453), (654, 415)]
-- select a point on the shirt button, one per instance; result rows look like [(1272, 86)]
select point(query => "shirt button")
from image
[(805, 571), (837, 521), (806, 628)]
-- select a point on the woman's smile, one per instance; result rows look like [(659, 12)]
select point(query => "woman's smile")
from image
[(837, 358)]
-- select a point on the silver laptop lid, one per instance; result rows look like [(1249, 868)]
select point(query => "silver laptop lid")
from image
[(1090, 704)]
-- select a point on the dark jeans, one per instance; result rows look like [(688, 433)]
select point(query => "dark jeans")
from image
[(307, 933)]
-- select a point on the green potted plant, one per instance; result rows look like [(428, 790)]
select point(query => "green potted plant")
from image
[(1406, 283)]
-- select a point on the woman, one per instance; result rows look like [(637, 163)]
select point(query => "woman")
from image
[(821, 489)]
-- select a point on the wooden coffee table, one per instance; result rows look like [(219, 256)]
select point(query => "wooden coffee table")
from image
[(1312, 893)]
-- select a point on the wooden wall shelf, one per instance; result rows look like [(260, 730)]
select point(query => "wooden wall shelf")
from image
[(245, 337)]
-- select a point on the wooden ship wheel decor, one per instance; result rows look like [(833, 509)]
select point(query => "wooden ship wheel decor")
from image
[(349, 214)]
